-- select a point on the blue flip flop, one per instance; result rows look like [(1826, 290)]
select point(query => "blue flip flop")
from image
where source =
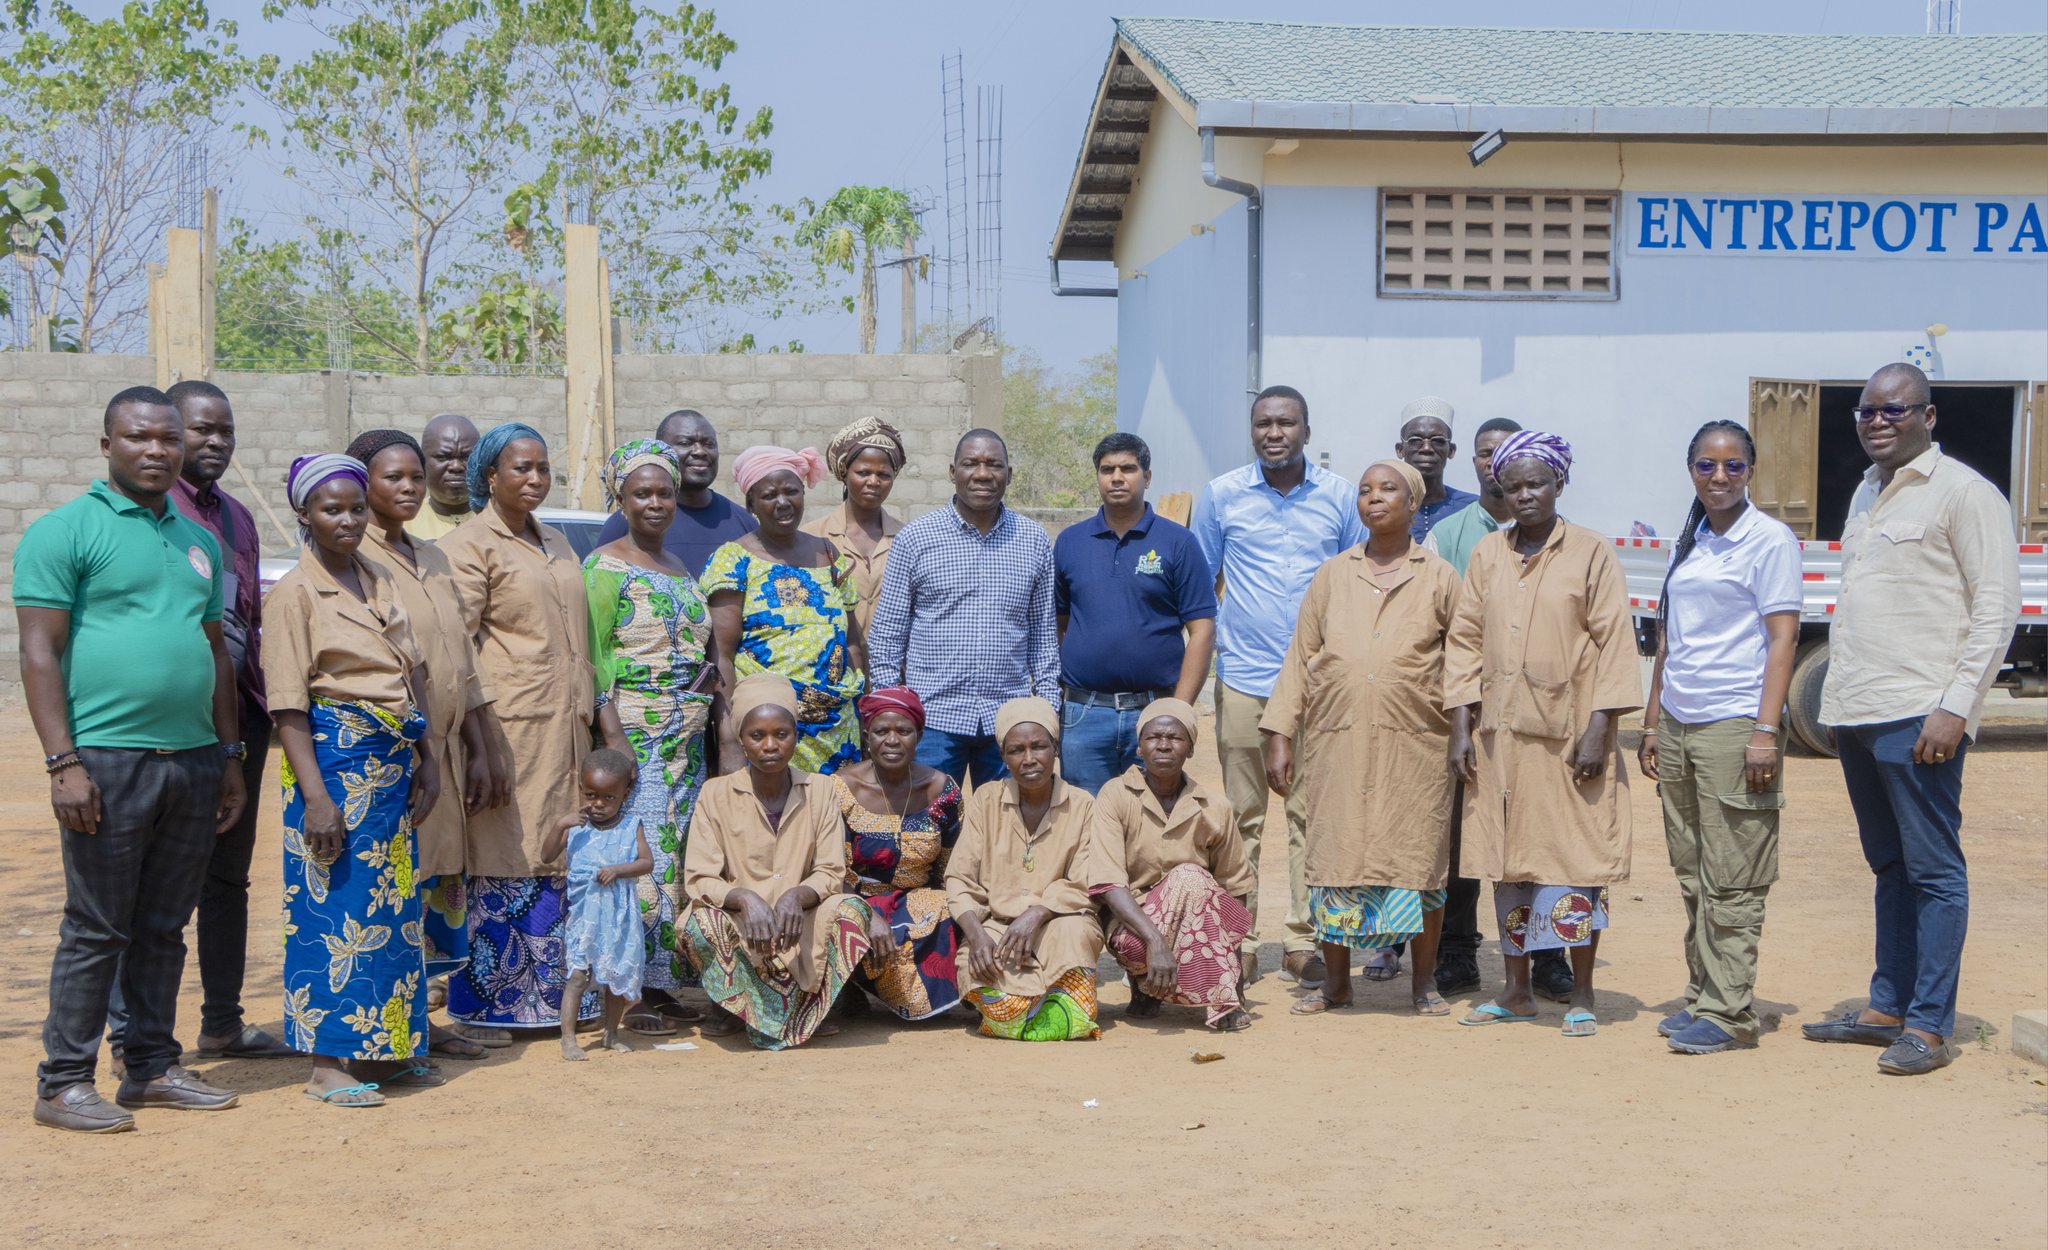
[(360, 1088), (1580, 1017), (1495, 1014)]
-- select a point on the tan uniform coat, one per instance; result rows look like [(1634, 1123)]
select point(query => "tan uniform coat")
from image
[(453, 687), (1133, 842), (320, 641), (1540, 646), (987, 883), (867, 570), (530, 620), (732, 847), (1360, 696)]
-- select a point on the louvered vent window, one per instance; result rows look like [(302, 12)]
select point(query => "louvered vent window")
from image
[(1497, 244)]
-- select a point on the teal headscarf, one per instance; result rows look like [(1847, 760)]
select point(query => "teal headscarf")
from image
[(485, 458)]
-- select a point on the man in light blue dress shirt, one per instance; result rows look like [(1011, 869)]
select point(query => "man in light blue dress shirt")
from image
[(1265, 529)]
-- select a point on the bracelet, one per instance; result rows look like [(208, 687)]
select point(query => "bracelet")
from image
[(63, 762), (1767, 729)]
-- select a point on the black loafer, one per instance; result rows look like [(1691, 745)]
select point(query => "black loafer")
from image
[(250, 1043), (1456, 973), (1550, 975), (178, 1089), (1912, 1056), (80, 1109), (1847, 1028)]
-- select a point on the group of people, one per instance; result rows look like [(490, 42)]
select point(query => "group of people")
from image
[(726, 750)]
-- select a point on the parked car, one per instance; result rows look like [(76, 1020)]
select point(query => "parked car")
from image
[(2025, 673), (579, 527)]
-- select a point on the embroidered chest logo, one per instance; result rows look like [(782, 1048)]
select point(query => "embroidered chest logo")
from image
[(200, 563), (1149, 563)]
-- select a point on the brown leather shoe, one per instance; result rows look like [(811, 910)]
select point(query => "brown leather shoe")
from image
[(80, 1109), (1305, 968), (178, 1089)]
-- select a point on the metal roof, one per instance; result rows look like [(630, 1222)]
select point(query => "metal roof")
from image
[(1408, 81)]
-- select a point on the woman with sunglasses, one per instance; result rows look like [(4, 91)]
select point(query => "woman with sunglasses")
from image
[(1728, 624)]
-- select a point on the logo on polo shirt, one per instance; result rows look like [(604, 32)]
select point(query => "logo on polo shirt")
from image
[(1149, 563), (200, 563)]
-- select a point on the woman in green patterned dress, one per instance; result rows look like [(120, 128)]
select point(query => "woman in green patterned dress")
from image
[(648, 631), (782, 601)]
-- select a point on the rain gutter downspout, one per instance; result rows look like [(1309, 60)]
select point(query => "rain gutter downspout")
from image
[(1057, 289), (1254, 264)]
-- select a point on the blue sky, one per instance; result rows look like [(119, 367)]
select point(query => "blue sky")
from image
[(855, 89)]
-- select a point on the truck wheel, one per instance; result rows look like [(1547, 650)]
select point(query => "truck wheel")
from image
[(1802, 715)]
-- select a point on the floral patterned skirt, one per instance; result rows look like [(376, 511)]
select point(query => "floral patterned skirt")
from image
[(918, 983), (517, 959), (1064, 1013), (444, 904), (777, 1011), (354, 973), (669, 749), (1204, 924)]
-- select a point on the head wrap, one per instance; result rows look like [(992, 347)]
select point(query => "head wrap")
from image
[(762, 690), (633, 456), (485, 458), (899, 699), (1406, 472), (1177, 709), (308, 472), (856, 437), (369, 446), (1548, 448), (755, 463), (1030, 710), (1428, 406)]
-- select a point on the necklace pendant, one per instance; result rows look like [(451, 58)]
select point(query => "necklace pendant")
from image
[(1028, 859)]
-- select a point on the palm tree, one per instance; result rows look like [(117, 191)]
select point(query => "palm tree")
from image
[(858, 220)]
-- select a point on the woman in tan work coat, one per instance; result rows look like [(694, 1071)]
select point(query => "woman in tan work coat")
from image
[(457, 702), (1017, 887), (521, 590), (768, 926), (1357, 723), (1541, 665)]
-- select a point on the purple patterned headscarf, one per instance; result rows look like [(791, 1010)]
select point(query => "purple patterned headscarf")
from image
[(1536, 445), (308, 472)]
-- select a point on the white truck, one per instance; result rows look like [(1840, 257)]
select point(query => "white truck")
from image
[(2025, 674)]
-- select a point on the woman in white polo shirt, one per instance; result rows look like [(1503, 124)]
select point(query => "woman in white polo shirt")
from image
[(1728, 626)]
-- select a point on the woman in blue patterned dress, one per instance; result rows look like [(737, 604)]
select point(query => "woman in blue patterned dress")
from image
[(782, 601), (345, 676), (649, 629)]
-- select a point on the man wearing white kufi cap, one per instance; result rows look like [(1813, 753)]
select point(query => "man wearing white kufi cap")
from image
[(1425, 445)]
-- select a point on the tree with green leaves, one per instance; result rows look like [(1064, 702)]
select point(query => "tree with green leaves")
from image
[(30, 226), (1052, 423), (116, 107), (407, 114), (276, 307), (854, 224)]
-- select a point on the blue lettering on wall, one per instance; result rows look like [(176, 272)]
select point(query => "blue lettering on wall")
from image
[(1719, 225)]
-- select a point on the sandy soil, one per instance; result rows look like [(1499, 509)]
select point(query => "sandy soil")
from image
[(1370, 1128)]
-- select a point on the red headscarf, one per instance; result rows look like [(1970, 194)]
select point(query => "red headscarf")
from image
[(900, 699)]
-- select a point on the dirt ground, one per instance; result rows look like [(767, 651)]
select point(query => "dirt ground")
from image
[(1371, 1128)]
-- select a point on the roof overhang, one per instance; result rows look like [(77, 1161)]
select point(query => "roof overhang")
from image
[(1103, 174)]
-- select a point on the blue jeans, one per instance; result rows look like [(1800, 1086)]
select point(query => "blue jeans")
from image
[(1097, 744), (956, 755), (1910, 819)]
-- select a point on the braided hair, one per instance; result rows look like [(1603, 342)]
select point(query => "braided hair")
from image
[(1689, 533)]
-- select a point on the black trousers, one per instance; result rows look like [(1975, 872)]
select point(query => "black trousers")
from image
[(129, 890), (223, 907), (1461, 907)]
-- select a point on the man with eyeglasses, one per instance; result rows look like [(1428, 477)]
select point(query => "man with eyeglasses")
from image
[(705, 520), (1425, 445), (1930, 594)]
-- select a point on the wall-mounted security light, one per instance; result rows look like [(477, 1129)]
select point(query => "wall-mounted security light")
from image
[(1485, 146)]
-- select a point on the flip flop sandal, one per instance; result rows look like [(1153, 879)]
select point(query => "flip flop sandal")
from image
[(1431, 1005), (1493, 1013), (648, 1024), (456, 1046), (1384, 966), (354, 1092), (486, 1036), (415, 1076), (1315, 1005), (681, 1013), (721, 1024), (1573, 1020), (1236, 1022)]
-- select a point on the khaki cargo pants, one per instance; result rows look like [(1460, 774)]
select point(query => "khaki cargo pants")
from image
[(1241, 749), (1724, 847)]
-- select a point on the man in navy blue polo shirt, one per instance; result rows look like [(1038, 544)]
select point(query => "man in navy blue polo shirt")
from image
[(1125, 585)]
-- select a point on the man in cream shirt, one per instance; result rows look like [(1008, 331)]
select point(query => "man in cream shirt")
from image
[(1930, 594)]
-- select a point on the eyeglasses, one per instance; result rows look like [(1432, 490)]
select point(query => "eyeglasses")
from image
[(1892, 413), (1417, 443), (1734, 468)]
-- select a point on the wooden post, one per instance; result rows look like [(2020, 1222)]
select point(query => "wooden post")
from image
[(587, 331), (181, 300), (909, 292)]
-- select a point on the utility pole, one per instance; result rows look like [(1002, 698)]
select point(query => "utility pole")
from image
[(909, 265)]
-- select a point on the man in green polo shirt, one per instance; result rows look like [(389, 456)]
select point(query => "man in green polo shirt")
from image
[(130, 688)]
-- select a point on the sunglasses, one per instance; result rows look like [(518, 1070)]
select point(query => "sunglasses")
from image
[(1891, 413), (1417, 443), (1705, 468)]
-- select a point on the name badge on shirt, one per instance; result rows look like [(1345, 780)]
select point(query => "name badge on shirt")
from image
[(201, 564)]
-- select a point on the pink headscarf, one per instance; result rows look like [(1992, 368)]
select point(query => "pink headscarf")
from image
[(755, 463)]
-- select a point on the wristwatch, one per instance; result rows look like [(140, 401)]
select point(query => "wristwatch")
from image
[(1767, 729), (235, 750)]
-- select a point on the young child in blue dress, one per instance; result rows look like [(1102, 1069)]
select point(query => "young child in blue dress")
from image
[(602, 941)]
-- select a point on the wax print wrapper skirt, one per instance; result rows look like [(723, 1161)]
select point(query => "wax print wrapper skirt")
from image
[(444, 903), (777, 1011), (1547, 917), (517, 961), (354, 972), (1370, 917), (1203, 923), (1064, 1013)]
